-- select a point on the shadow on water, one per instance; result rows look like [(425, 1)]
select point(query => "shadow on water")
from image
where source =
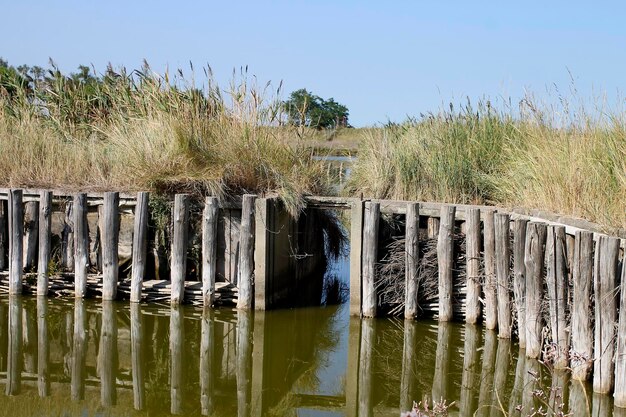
[(84, 357)]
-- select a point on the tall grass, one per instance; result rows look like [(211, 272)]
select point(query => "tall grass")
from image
[(143, 130), (533, 158)]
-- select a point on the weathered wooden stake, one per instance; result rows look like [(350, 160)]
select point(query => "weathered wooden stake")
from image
[(209, 249), (140, 246), (356, 252), (45, 226), (16, 240), (262, 252), (81, 244), (179, 247), (556, 280), (503, 260), (432, 227), (412, 261), (4, 238), (519, 278), (31, 234), (110, 239), (246, 253), (445, 259), (582, 333), (67, 237), (606, 312), (490, 283), (370, 254), (619, 394), (533, 259), (472, 299)]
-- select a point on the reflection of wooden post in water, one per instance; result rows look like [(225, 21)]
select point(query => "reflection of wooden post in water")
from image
[(43, 347), (176, 359), (137, 356), (558, 391), (107, 355), (206, 363), (244, 362), (29, 339), (368, 329), (442, 361), (352, 370), (532, 374), (500, 374), (579, 399), (79, 350), (515, 400), (14, 362), (486, 375), (408, 379), (600, 405), (470, 361)]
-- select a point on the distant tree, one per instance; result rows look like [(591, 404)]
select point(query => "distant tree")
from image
[(306, 109)]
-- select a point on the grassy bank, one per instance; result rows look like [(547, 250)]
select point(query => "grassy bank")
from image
[(145, 131), (574, 165)]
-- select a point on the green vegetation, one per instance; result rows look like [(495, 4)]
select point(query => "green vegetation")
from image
[(141, 130), (575, 165), (307, 110)]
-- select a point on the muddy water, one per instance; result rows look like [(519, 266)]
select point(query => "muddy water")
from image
[(91, 358)]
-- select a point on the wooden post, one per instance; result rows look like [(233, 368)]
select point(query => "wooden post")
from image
[(432, 227), (68, 237), (503, 260), (43, 348), (370, 256), (110, 239), (246, 253), (16, 240), (490, 284), (45, 226), (445, 259), (209, 249), (262, 251), (4, 242), (582, 333), (533, 260), (472, 299), (556, 280), (137, 356), (356, 252), (606, 312), (519, 278), (79, 351), (140, 246), (31, 232), (81, 244), (179, 247), (620, 356), (412, 261)]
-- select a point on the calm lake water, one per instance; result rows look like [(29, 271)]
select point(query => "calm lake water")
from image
[(79, 358)]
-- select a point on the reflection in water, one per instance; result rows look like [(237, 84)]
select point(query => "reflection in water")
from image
[(291, 362)]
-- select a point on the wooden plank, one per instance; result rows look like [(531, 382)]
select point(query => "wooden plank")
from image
[(179, 247), (209, 249), (81, 244), (16, 241), (45, 227), (534, 260), (432, 227), (246, 253), (503, 270), (556, 280), (472, 303), (31, 234), (582, 333), (606, 313), (370, 257), (110, 241), (140, 246), (445, 261), (356, 253), (411, 307), (490, 282), (519, 278), (619, 394)]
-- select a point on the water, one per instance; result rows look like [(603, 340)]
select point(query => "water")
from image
[(77, 358)]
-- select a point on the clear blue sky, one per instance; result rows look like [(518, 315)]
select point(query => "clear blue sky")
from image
[(384, 60)]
